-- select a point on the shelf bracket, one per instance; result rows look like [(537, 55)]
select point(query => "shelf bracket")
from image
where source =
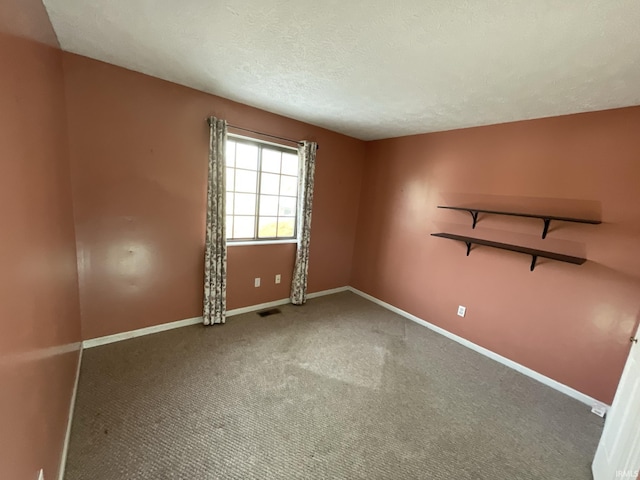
[(534, 259), (474, 215), (468, 247), (546, 221)]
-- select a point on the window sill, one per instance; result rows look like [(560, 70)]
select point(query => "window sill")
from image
[(231, 243)]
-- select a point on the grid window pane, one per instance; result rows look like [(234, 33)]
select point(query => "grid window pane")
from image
[(262, 182), (229, 202), (231, 153), (270, 160), (286, 226), (246, 181), (230, 178), (244, 204), (229, 226), (247, 156), (244, 227), (287, 206), (267, 227), (268, 205), (289, 164), (269, 183), (288, 185)]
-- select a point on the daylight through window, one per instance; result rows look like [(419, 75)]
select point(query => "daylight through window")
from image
[(262, 190)]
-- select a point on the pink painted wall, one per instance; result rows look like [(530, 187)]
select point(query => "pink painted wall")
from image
[(139, 150), (571, 323), (266, 261), (39, 310)]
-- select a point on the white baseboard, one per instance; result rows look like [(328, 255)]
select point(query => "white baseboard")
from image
[(328, 292), (582, 397), (259, 306), (282, 301), (117, 337), (72, 407)]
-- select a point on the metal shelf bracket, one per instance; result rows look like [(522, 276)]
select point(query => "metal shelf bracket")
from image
[(546, 221), (534, 259), (474, 215)]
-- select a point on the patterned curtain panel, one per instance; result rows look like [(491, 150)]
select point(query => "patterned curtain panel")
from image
[(307, 155), (215, 256)]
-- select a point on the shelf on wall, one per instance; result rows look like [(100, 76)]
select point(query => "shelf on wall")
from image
[(535, 253), (545, 218)]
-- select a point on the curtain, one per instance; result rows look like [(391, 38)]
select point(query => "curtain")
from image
[(307, 156), (215, 256)]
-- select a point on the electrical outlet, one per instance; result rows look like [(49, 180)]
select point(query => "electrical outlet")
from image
[(278, 278), (462, 311), (256, 282), (599, 409), (41, 475)]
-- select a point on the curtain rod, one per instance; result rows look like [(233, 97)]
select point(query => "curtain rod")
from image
[(299, 142), (264, 134)]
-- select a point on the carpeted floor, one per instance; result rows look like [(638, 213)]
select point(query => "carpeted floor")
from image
[(338, 389)]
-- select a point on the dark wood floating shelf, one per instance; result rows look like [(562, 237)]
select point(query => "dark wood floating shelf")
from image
[(545, 218), (513, 248)]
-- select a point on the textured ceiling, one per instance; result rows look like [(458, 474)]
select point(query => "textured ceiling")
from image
[(378, 68)]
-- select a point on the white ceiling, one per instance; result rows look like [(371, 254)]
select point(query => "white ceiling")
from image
[(377, 68)]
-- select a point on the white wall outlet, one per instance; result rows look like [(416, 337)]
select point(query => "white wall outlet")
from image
[(41, 475), (599, 409), (462, 311), (278, 278), (256, 282)]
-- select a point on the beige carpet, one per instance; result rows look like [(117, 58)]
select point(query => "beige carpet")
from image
[(339, 388)]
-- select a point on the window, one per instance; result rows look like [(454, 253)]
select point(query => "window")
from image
[(262, 190)]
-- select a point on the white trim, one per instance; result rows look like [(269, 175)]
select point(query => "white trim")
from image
[(95, 342), (117, 337), (260, 306), (242, 243), (331, 291), (72, 407), (582, 397), (283, 301)]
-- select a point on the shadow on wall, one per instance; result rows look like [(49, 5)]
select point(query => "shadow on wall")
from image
[(608, 317), (522, 231), (566, 247), (560, 207), (622, 287)]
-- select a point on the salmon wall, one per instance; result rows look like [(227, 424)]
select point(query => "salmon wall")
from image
[(39, 310), (571, 323), (139, 148)]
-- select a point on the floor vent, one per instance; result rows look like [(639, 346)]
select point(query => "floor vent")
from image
[(271, 311)]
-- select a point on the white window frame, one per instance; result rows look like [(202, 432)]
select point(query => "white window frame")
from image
[(268, 240)]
